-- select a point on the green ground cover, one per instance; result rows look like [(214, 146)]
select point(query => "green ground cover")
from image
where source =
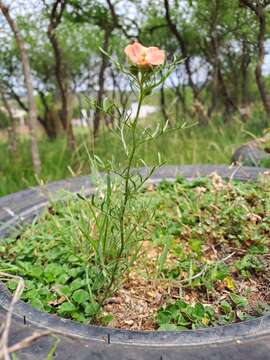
[(202, 258)]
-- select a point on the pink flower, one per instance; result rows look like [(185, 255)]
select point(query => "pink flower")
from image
[(144, 57)]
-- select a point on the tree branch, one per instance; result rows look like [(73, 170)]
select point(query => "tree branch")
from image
[(250, 5), (115, 19)]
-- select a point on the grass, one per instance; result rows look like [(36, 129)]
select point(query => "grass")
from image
[(197, 145), (205, 246)]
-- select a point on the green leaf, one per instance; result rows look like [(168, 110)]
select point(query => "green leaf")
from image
[(72, 259), (75, 272), (52, 271), (80, 296), (105, 320), (37, 303), (239, 300), (199, 311), (196, 246), (191, 313), (168, 327), (164, 317), (32, 294), (77, 284), (78, 316), (181, 304), (12, 284), (64, 290), (62, 279), (91, 309), (258, 249), (243, 315), (225, 307), (66, 307), (181, 320)]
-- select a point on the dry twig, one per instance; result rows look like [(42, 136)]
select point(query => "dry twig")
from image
[(5, 327)]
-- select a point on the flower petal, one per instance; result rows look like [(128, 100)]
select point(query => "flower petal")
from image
[(155, 56), (134, 52)]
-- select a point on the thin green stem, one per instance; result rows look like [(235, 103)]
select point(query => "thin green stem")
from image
[(130, 161), (127, 186), (88, 284)]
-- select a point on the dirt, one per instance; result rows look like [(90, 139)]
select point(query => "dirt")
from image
[(135, 305)]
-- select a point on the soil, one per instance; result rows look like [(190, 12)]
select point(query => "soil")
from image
[(135, 305)]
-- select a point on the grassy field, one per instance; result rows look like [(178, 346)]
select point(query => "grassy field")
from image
[(196, 145)]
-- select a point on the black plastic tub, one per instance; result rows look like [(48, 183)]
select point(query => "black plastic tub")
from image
[(245, 340)]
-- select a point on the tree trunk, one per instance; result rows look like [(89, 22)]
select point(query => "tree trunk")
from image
[(163, 103), (119, 94), (101, 81), (198, 105), (60, 72), (50, 120), (180, 96), (260, 12), (245, 61), (215, 57), (229, 104), (29, 87), (12, 131), (258, 71)]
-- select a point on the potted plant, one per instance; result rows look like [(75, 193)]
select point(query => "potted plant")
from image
[(151, 263)]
